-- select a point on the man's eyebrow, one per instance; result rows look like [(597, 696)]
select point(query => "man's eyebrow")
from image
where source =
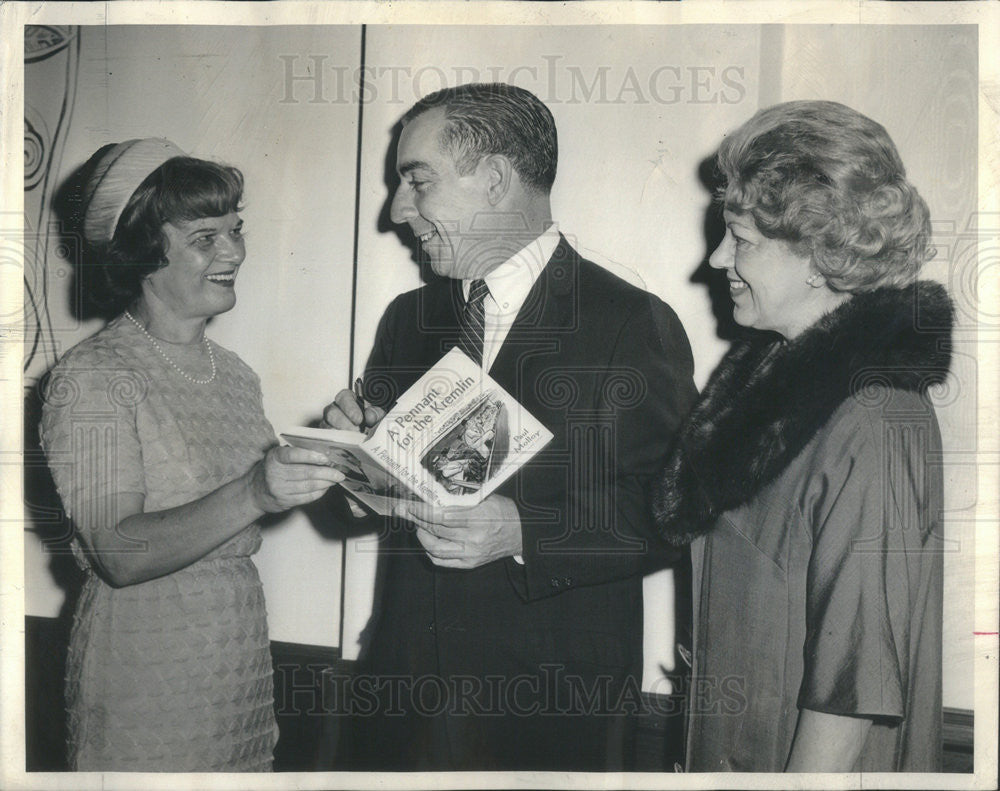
[(416, 164)]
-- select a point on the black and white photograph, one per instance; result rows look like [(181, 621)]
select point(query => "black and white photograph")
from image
[(738, 259)]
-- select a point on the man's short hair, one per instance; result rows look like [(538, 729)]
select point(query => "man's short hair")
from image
[(496, 118)]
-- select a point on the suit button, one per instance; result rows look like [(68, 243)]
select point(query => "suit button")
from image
[(554, 582), (430, 626)]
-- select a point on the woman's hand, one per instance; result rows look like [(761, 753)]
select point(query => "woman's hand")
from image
[(133, 546), (287, 477)]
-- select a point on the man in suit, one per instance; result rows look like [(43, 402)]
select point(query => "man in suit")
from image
[(509, 635)]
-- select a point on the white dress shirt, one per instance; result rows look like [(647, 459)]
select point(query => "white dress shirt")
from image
[(509, 284)]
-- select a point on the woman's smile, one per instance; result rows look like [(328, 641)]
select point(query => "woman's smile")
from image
[(226, 279)]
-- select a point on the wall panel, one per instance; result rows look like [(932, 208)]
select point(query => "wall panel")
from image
[(223, 93)]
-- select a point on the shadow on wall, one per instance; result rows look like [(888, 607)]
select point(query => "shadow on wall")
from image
[(46, 639), (44, 514), (384, 223), (89, 295), (714, 280)]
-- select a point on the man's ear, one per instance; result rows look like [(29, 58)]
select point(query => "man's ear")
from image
[(499, 174)]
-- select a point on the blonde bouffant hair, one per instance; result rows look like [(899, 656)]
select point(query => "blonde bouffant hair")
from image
[(829, 181)]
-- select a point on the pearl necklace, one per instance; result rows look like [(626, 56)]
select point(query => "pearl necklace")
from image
[(163, 354)]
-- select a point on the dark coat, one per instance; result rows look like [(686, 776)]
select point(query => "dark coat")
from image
[(810, 472), (607, 368)]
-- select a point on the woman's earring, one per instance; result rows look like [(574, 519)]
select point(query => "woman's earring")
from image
[(816, 280)]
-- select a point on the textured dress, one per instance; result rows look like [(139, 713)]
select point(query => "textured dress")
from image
[(172, 674)]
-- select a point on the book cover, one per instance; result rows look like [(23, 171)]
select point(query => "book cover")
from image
[(451, 439)]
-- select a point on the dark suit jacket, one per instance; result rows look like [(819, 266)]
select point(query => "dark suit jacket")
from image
[(608, 369)]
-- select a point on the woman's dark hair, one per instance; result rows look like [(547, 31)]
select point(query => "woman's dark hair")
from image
[(181, 189), (829, 180)]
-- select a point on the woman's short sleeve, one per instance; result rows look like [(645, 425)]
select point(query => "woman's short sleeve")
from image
[(873, 562), (88, 432)]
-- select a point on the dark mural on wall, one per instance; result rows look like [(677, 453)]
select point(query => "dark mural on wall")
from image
[(54, 52), (48, 254)]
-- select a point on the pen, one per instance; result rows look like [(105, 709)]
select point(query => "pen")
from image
[(359, 394)]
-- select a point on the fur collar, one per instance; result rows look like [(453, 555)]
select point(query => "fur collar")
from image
[(768, 398)]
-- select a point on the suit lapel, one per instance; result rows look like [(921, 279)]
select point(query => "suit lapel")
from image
[(440, 312), (546, 314)]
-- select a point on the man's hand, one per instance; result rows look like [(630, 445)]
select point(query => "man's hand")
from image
[(466, 538), (346, 413)]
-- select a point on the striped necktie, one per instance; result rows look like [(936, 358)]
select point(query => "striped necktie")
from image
[(473, 324)]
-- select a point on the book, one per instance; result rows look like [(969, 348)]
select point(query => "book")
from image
[(451, 439)]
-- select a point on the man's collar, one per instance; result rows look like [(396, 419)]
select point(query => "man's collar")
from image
[(510, 282)]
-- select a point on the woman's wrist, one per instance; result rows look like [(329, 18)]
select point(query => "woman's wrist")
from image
[(256, 491)]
